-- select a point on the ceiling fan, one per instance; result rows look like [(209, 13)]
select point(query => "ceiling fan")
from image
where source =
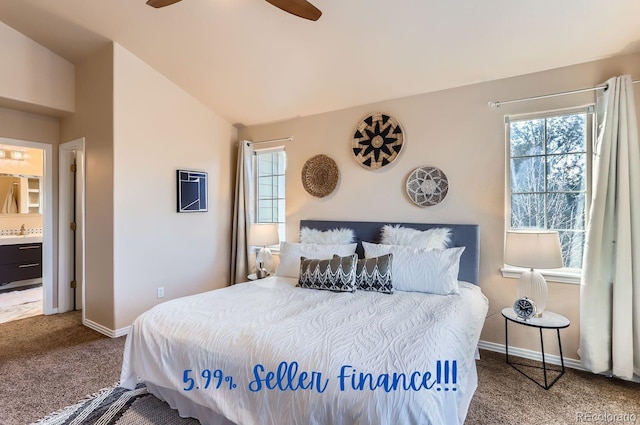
[(301, 8)]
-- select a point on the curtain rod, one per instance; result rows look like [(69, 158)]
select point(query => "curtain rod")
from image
[(284, 139), (497, 103)]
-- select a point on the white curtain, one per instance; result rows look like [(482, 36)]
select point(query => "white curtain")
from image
[(242, 213), (610, 291)]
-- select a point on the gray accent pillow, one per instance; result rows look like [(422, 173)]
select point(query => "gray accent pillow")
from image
[(336, 274), (374, 274)]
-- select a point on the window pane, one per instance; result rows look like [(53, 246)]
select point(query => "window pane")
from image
[(566, 211), (527, 175), (527, 211), (270, 188), (281, 186), (265, 187), (280, 169), (548, 172), (567, 133), (265, 164), (572, 244), (281, 211), (265, 212), (527, 137), (566, 173)]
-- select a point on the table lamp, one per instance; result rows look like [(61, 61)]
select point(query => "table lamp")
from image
[(263, 235), (536, 249)]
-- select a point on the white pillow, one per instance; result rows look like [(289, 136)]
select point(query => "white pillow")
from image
[(290, 254), (329, 237), (434, 271), (436, 238)]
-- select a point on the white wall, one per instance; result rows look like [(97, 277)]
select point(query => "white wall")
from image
[(456, 131), (32, 77), (159, 128), (93, 120)]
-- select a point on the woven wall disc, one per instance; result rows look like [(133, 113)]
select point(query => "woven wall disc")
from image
[(427, 186), (320, 175), (377, 141)]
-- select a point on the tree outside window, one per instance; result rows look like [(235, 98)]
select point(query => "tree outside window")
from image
[(548, 178)]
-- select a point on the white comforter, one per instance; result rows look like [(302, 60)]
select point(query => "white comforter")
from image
[(271, 321)]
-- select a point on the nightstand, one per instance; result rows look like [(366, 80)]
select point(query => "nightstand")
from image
[(549, 320)]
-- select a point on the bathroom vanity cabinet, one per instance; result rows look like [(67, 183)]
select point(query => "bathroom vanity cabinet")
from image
[(20, 262)]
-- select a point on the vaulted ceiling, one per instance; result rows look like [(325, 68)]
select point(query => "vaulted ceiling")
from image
[(253, 63)]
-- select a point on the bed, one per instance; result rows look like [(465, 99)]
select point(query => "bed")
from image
[(268, 352)]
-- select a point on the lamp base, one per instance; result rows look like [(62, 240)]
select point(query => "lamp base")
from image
[(261, 272), (533, 286), (265, 258)]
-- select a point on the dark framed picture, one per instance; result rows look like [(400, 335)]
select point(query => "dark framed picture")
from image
[(192, 191)]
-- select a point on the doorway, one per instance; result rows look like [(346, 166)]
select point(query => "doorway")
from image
[(28, 219), (71, 235)]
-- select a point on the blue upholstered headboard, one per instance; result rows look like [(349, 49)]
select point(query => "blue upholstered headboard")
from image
[(467, 235)]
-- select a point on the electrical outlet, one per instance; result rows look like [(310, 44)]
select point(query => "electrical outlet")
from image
[(161, 292)]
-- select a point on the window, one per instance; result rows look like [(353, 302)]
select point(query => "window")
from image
[(549, 174), (270, 187)]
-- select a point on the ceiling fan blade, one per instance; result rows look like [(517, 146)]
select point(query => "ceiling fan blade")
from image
[(301, 8), (161, 3)]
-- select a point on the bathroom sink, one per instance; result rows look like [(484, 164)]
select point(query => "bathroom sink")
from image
[(20, 239)]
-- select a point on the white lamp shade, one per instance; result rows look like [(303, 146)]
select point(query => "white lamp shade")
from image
[(533, 249), (263, 234)]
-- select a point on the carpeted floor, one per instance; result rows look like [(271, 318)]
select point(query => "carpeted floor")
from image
[(49, 362), (506, 397)]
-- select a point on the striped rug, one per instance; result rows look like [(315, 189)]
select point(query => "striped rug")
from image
[(118, 406)]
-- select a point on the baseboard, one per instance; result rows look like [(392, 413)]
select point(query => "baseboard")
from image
[(122, 331), (530, 354), (106, 331)]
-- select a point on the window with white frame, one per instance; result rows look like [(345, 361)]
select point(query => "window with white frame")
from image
[(270, 167), (549, 177)]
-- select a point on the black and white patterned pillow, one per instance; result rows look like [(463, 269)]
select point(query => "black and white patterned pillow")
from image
[(374, 274), (336, 274)]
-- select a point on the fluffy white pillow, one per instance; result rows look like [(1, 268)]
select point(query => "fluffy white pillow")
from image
[(328, 237), (290, 254), (436, 238), (434, 271)]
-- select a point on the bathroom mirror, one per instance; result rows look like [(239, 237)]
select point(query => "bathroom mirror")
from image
[(20, 194)]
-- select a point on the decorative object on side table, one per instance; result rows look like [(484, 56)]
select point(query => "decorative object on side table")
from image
[(524, 308), (320, 176), (549, 321), (192, 191), (536, 249), (377, 141), (263, 235), (427, 186)]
